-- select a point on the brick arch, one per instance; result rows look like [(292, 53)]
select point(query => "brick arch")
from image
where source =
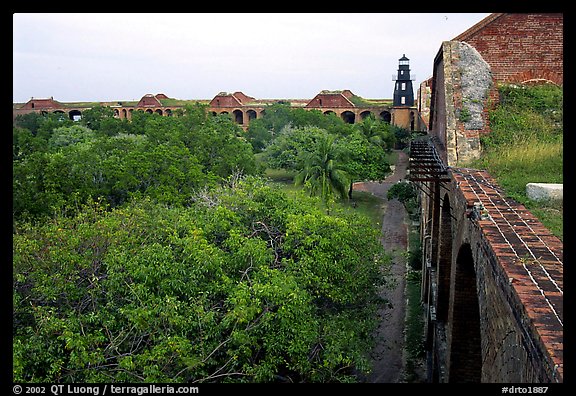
[(365, 114), (74, 113), (251, 114), (536, 76), (386, 116), (348, 117), (238, 116), (465, 356)]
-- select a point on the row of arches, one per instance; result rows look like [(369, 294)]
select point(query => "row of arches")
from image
[(449, 290), (242, 117)]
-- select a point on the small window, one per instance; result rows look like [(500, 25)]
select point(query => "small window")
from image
[(403, 99), (403, 86), (401, 71)]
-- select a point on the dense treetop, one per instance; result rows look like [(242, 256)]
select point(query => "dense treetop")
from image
[(154, 250)]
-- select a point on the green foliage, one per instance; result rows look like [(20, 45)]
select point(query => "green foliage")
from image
[(170, 157), (404, 191), (243, 285), (101, 119), (464, 115), (526, 114), (415, 346), (357, 152), (65, 136), (362, 159), (262, 131), (322, 172), (289, 149), (525, 145)]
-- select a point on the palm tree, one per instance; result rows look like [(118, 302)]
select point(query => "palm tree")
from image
[(323, 173), (377, 133)]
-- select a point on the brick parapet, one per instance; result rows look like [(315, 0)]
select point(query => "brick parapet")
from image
[(521, 266)]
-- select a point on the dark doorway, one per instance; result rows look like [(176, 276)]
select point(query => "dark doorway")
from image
[(465, 349)]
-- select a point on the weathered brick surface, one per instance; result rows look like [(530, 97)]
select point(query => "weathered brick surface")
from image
[(520, 47), (519, 269), (330, 99), (508, 287)]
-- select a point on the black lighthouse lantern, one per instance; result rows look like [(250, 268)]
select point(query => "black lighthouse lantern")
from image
[(403, 91)]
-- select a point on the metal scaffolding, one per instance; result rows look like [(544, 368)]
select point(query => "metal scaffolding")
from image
[(425, 164)]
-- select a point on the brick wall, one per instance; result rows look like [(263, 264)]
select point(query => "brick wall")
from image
[(517, 47), (489, 314), (330, 100), (225, 100), (521, 47)]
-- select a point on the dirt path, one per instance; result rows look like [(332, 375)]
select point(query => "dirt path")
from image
[(388, 356)]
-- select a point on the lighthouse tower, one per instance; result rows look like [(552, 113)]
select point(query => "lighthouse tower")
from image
[(403, 92)]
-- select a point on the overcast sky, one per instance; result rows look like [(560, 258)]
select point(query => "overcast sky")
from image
[(105, 57)]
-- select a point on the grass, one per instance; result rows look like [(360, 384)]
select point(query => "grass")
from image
[(368, 205), (414, 325), (526, 146), (362, 202)]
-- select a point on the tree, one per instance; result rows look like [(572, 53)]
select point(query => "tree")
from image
[(362, 159), (65, 136), (404, 191), (322, 172), (101, 120), (379, 133), (289, 148), (167, 159), (246, 284)]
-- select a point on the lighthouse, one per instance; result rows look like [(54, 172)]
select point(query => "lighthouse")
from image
[(403, 92)]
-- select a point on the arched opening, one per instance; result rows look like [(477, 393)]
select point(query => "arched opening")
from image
[(149, 111), (328, 112), (123, 114), (465, 363), (75, 115), (169, 112), (386, 116), (365, 114), (238, 116), (251, 115), (412, 120), (116, 113), (348, 117), (158, 111), (444, 261)]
